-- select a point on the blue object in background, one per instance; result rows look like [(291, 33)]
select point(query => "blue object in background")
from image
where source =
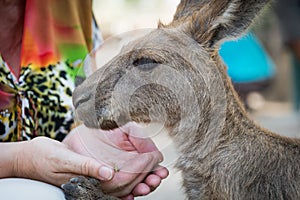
[(246, 59)]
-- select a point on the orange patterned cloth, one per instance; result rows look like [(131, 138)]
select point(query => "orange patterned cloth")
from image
[(56, 30)]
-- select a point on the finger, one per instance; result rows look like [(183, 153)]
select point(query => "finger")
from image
[(130, 175), (141, 189), (117, 138), (142, 145), (135, 176), (161, 171), (138, 137), (140, 142), (128, 197), (153, 181), (78, 164)]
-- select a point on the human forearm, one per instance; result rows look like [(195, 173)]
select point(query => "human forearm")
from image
[(47, 160)]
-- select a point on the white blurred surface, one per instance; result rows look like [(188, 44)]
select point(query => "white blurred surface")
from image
[(118, 16), (25, 189)]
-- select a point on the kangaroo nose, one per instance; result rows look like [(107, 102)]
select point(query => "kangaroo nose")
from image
[(79, 98)]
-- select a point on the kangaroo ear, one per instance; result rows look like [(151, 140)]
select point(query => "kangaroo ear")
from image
[(211, 21)]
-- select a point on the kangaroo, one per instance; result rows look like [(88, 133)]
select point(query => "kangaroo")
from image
[(174, 75)]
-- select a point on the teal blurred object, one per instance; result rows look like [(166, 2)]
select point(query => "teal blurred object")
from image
[(296, 82), (247, 60)]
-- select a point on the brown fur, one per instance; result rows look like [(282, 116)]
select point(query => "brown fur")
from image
[(223, 153)]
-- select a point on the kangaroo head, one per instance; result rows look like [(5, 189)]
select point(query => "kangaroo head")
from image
[(171, 75)]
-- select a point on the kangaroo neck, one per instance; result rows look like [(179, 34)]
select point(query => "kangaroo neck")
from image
[(222, 115)]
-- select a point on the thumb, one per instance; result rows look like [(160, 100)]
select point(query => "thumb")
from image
[(87, 166)]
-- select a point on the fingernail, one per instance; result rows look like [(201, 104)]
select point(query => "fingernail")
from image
[(106, 173)]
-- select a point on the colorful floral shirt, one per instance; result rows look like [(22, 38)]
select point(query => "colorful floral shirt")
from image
[(57, 36)]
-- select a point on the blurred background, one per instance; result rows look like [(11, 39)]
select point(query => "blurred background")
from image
[(274, 106), (119, 16)]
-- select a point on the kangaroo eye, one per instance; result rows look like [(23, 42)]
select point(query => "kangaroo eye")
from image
[(145, 63)]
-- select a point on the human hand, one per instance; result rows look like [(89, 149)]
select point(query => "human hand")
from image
[(51, 161), (134, 158)]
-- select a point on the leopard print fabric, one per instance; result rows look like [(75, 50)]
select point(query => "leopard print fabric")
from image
[(41, 102)]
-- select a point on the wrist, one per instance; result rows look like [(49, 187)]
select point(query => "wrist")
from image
[(10, 161), (19, 159)]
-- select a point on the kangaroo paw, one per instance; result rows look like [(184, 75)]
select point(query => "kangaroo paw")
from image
[(84, 188)]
